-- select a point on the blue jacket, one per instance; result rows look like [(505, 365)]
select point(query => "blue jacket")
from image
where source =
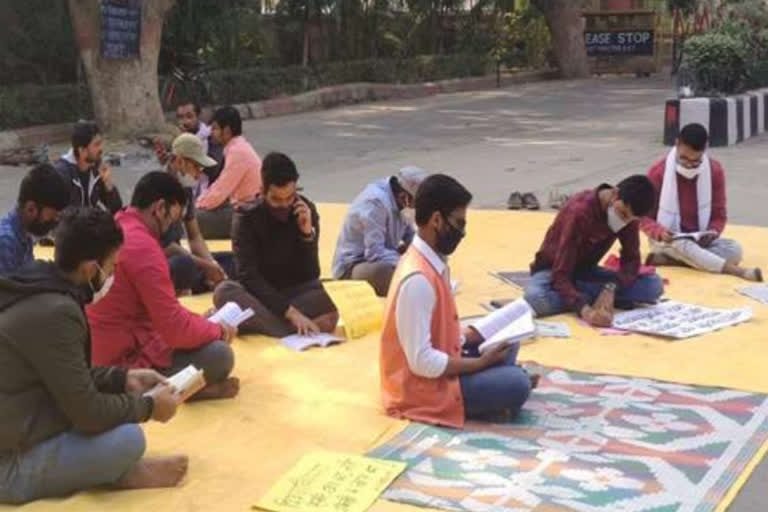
[(15, 243), (372, 231)]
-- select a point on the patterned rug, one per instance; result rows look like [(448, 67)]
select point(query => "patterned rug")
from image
[(588, 442)]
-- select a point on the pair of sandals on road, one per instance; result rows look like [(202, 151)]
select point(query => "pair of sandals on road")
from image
[(528, 201), (518, 201)]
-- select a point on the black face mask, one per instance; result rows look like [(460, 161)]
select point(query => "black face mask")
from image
[(281, 213), (42, 228), (448, 240)]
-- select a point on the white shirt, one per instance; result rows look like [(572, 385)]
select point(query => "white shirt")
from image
[(413, 316), (203, 133)]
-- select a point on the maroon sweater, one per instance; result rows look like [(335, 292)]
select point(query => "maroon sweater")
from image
[(578, 240), (689, 203)]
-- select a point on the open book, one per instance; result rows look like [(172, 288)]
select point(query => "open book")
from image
[(696, 236), (231, 314), (300, 343), (187, 382), (511, 324)]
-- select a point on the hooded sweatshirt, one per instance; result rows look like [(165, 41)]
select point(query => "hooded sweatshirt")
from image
[(47, 385), (95, 193)]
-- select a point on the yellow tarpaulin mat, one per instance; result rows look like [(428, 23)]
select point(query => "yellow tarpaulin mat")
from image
[(293, 403)]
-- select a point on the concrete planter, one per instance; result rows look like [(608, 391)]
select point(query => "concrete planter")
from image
[(729, 120)]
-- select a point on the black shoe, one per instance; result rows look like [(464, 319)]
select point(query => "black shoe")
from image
[(515, 201), (530, 202)]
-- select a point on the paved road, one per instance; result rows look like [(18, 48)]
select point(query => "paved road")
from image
[(539, 137), (556, 135), (560, 135)]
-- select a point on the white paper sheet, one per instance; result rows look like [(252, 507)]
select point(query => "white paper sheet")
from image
[(231, 314), (759, 292), (299, 343)]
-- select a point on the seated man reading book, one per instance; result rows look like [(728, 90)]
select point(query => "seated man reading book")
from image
[(424, 376), (690, 216), (566, 275), (68, 426), (140, 323), (376, 230), (276, 254)]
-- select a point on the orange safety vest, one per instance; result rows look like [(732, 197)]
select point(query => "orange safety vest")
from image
[(405, 394)]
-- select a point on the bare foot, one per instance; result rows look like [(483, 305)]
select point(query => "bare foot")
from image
[(153, 472), (753, 274), (228, 388)]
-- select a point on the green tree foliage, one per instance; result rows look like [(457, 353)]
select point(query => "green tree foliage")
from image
[(36, 43), (733, 56)]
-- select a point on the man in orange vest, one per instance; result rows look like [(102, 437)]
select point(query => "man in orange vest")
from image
[(424, 376)]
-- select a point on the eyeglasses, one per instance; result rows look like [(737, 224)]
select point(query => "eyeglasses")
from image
[(686, 162)]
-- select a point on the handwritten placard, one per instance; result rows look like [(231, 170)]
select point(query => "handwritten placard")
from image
[(678, 320), (360, 310), (120, 29), (331, 482)]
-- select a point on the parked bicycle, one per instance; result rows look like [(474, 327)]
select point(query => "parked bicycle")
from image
[(191, 81)]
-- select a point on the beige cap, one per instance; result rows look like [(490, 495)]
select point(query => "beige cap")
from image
[(187, 145), (410, 178)]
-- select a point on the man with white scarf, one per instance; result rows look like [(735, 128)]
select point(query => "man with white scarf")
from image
[(690, 198)]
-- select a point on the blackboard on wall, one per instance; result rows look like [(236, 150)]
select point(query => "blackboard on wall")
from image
[(120, 29)]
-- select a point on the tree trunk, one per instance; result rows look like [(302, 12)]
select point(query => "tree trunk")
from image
[(306, 47), (125, 93), (566, 24)]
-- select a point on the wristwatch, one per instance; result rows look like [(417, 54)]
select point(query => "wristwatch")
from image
[(310, 237)]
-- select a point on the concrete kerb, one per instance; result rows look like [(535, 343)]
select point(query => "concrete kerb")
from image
[(333, 96), (324, 98), (8, 140)]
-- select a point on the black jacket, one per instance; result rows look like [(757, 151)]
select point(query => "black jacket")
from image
[(99, 196), (271, 255), (47, 386)]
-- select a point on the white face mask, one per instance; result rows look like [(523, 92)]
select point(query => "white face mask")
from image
[(187, 181), (685, 172), (103, 289), (615, 222)]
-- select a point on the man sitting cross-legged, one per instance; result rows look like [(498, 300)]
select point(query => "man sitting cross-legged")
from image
[(276, 256), (140, 323), (67, 426), (196, 270), (566, 275), (424, 376), (376, 231), (239, 181), (690, 193)]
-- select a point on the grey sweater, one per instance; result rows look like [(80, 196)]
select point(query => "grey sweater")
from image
[(46, 383)]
